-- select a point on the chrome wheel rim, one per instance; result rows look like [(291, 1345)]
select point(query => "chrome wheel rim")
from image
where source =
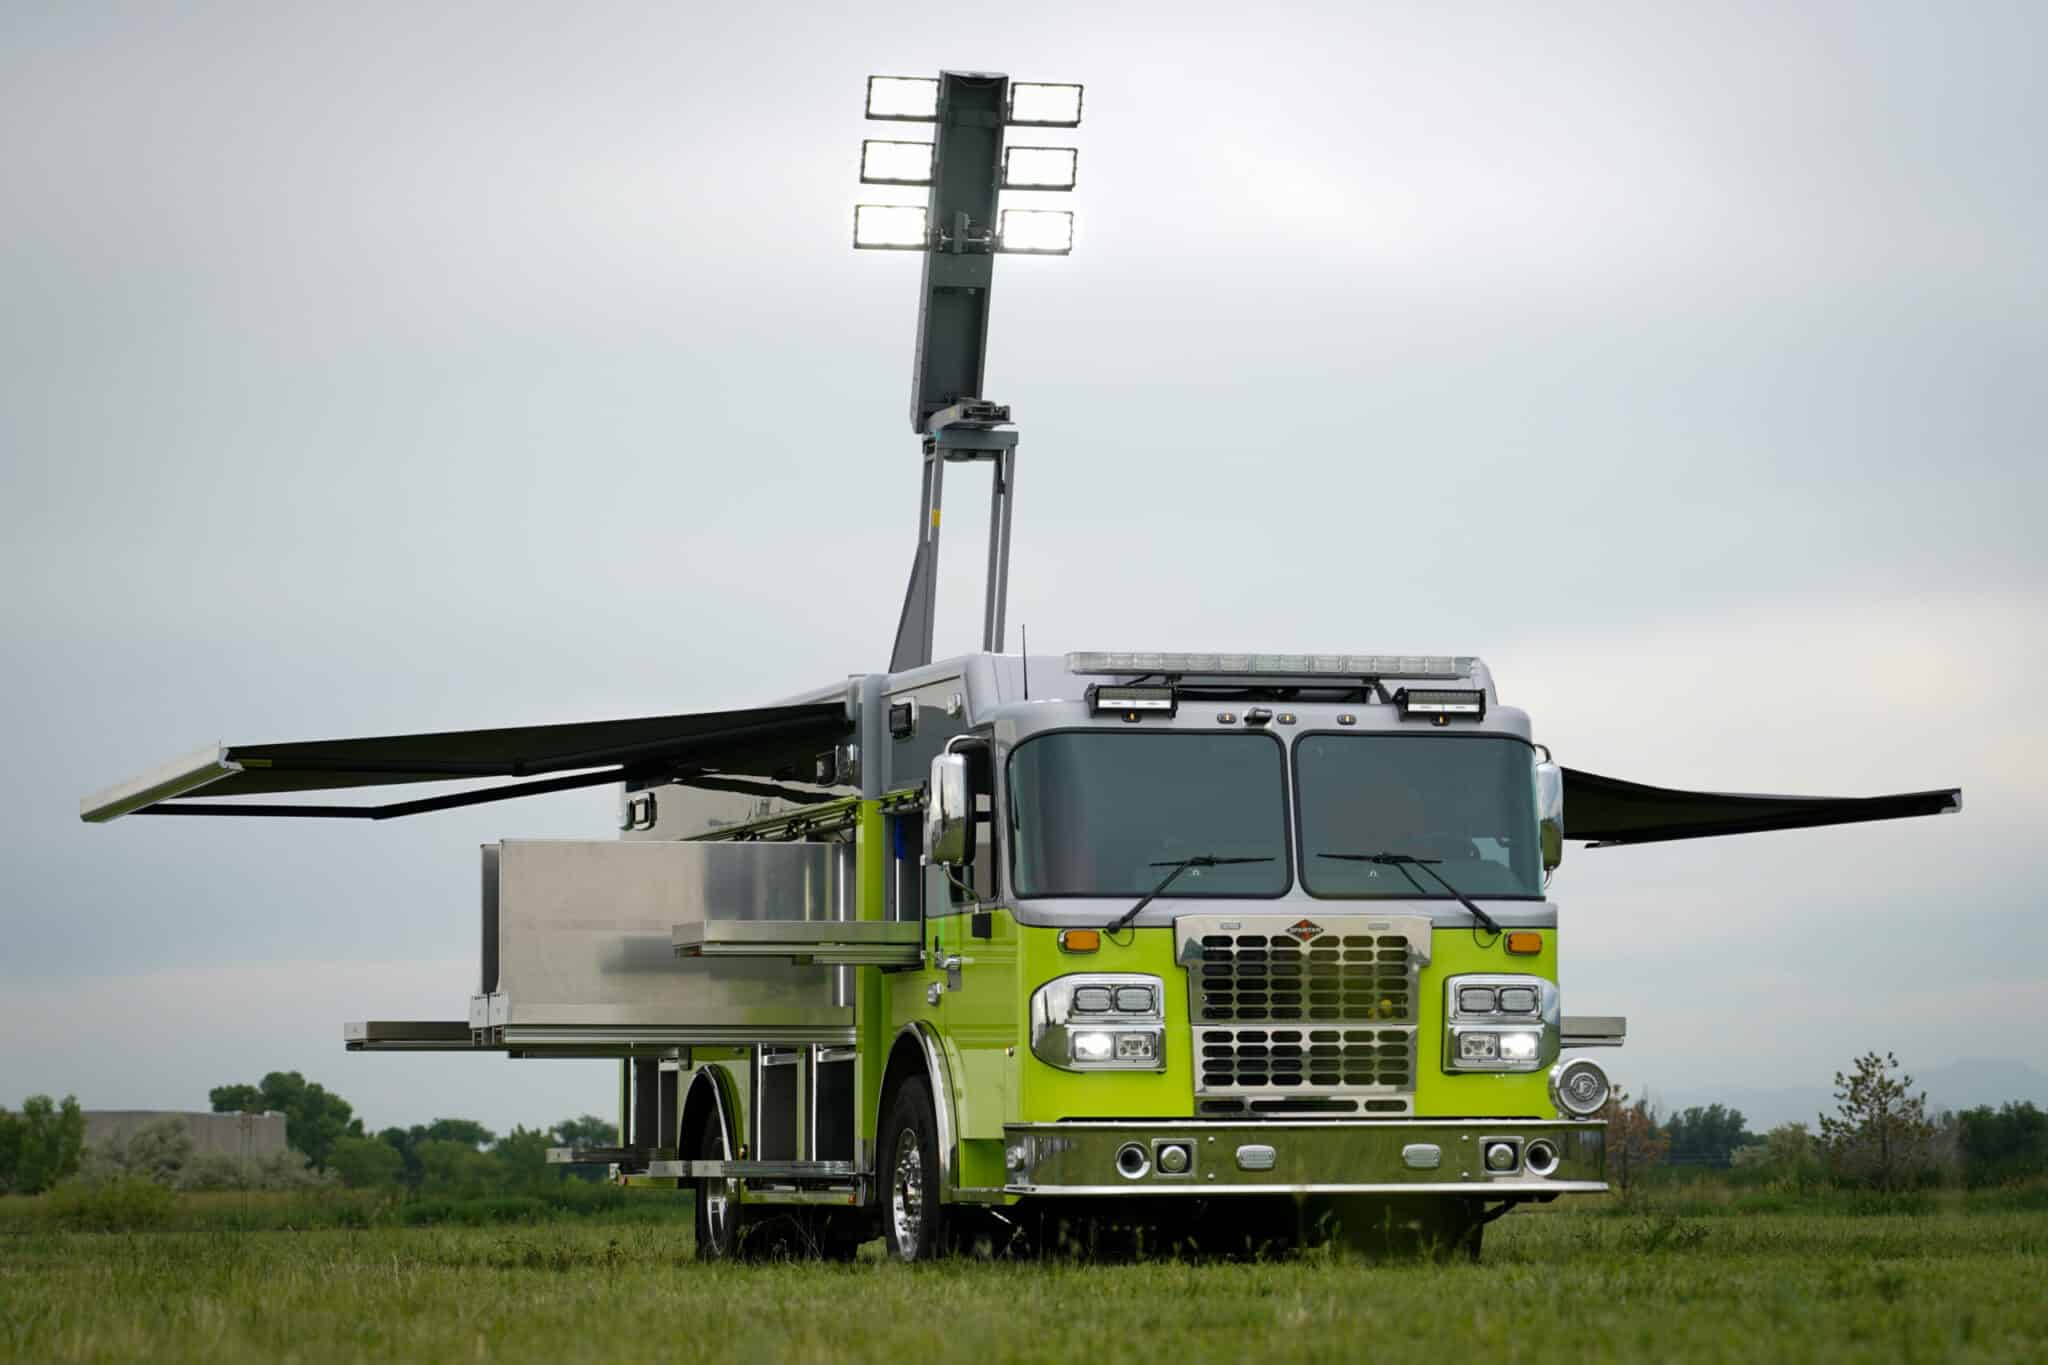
[(906, 1195)]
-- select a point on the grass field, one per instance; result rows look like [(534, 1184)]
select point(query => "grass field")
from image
[(1953, 1280)]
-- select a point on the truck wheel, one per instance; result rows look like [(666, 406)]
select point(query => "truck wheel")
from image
[(718, 1200), (913, 1220)]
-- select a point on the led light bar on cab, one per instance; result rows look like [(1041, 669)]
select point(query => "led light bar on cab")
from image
[(1441, 703)]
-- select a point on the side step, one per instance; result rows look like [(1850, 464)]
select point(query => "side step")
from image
[(878, 943), (408, 1035), (753, 1170)]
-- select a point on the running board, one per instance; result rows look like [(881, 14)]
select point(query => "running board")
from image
[(753, 1170)]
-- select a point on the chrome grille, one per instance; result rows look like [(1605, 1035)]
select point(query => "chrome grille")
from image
[(1322, 1059), (1333, 978), (1303, 1016)]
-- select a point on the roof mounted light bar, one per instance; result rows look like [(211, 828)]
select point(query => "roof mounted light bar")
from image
[(1292, 665)]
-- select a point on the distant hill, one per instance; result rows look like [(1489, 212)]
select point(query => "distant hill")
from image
[(1961, 1084)]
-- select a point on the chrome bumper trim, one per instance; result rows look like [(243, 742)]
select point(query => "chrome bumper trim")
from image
[(1307, 1157)]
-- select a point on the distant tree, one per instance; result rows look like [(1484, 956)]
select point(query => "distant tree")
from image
[(1634, 1139), (41, 1145), (1706, 1136), (456, 1168), (587, 1131), (314, 1118), (523, 1158), (2006, 1143), (1880, 1134), (455, 1130), (366, 1163)]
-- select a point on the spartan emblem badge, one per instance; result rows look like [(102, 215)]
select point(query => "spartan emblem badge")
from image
[(1304, 929)]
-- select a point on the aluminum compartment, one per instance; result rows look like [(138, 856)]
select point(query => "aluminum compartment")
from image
[(578, 943)]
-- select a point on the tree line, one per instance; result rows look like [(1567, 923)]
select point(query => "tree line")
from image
[(1881, 1136), (43, 1145)]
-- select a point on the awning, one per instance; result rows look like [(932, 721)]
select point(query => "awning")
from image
[(1607, 810), (726, 748)]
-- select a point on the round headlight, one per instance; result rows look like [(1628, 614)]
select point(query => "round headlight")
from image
[(1579, 1087)]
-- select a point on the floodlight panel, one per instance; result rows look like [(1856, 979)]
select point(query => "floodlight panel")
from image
[(1037, 105), (914, 99), (1039, 232), (890, 227), (895, 163), (1039, 168)]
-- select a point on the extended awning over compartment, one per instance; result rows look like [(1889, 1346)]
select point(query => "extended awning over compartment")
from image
[(728, 750), (1608, 811)]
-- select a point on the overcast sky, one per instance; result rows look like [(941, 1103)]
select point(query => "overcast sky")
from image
[(395, 367)]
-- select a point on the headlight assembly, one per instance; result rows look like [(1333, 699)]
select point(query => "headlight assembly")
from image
[(1100, 1021), (1500, 1023)]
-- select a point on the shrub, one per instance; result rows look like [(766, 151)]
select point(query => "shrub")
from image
[(119, 1204)]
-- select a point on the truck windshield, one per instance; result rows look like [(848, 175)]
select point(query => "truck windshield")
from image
[(1469, 802), (1095, 813)]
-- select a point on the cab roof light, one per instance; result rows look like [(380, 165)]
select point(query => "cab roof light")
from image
[(1130, 702), (1441, 703), (1294, 665)]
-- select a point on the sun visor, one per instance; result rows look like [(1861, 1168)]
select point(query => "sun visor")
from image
[(1608, 811), (770, 743)]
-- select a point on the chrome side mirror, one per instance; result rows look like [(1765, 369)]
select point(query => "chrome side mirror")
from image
[(1550, 814), (949, 813)]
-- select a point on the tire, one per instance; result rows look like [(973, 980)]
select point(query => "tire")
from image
[(914, 1222), (719, 1217)]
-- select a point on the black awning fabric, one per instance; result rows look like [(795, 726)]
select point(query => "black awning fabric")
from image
[(769, 742), (1608, 811), (776, 743)]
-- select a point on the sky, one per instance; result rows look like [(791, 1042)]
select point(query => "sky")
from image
[(390, 367)]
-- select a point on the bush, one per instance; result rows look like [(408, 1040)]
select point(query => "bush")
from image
[(119, 1204), (41, 1145)]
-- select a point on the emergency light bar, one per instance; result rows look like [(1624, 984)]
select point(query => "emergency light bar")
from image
[(1297, 665), (1440, 703)]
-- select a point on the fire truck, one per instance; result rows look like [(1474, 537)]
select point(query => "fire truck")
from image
[(1234, 951)]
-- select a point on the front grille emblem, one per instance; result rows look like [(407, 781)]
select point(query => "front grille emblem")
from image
[(1304, 929)]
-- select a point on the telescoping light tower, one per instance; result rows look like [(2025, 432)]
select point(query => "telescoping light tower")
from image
[(959, 229)]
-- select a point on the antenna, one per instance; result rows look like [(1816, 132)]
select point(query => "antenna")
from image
[(959, 230), (1024, 635)]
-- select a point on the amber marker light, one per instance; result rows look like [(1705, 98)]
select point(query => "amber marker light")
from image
[(1522, 943), (1080, 940)]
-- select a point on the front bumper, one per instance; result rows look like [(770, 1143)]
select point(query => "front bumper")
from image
[(1388, 1156)]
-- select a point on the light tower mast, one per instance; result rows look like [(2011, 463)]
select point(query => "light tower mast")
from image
[(959, 229)]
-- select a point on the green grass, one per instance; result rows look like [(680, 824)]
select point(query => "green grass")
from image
[(1961, 1280)]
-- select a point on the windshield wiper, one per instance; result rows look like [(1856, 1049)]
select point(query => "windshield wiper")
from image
[(1404, 861), (1179, 866)]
